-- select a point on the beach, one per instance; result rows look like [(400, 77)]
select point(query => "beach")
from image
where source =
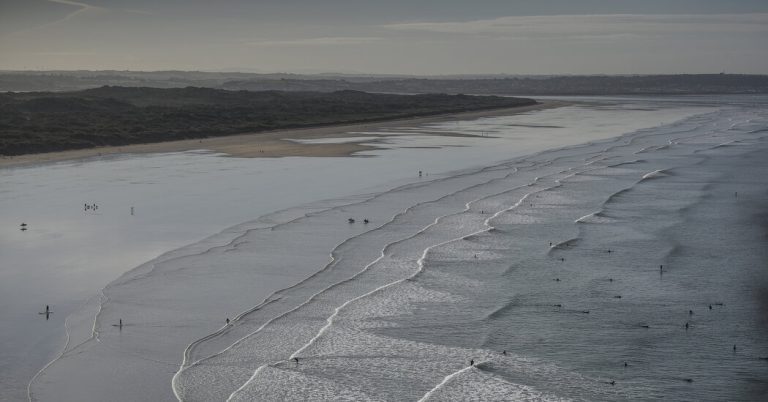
[(272, 144), (547, 250)]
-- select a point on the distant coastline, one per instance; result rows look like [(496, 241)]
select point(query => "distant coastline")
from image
[(492, 84), (118, 116), (276, 143)]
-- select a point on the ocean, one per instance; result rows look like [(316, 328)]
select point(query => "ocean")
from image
[(612, 249)]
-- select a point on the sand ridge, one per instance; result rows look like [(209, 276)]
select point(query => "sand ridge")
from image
[(274, 144)]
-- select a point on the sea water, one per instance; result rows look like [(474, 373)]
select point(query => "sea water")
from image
[(452, 268), (630, 270)]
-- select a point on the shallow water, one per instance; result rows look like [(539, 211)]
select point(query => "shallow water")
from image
[(482, 278), (184, 295)]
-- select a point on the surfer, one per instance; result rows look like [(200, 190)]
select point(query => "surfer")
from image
[(472, 362), (47, 312), (296, 359), (227, 320)]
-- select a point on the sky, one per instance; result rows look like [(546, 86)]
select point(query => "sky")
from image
[(415, 37)]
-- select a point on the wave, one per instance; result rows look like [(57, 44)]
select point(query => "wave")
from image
[(569, 196)]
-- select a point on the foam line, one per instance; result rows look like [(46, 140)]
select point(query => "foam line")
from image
[(442, 383), (184, 365), (420, 264)]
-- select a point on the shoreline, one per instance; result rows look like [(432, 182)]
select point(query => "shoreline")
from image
[(272, 144), (218, 315), (65, 373)]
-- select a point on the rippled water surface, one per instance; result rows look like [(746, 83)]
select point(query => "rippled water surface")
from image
[(550, 256)]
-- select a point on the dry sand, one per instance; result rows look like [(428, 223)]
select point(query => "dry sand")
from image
[(272, 144)]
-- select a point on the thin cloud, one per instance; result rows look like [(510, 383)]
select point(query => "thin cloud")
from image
[(324, 41), (595, 25), (82, 8), (64, 54)]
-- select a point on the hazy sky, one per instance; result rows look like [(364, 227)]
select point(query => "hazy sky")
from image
[(388, 36)]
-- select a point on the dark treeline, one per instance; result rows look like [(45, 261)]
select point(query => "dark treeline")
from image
[(564, 85), (34, 122), (498, 85)]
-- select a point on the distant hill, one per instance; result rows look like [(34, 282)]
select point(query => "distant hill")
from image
[(21, 81), (571, 85), (34, 122)]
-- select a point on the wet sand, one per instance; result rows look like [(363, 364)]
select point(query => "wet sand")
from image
[(238, 184), (273, 144)]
